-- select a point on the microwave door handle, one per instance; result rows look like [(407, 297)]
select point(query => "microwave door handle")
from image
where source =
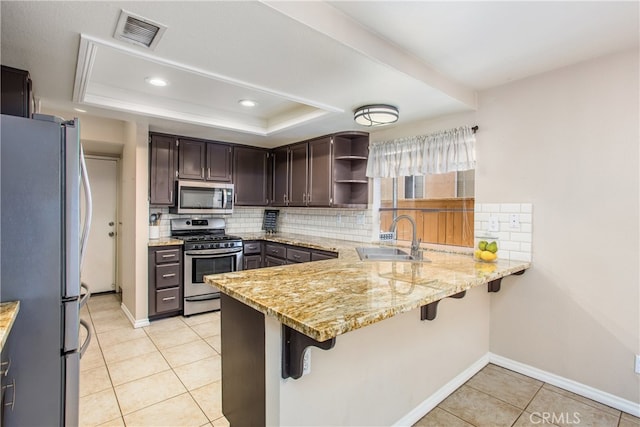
[(224, 198)]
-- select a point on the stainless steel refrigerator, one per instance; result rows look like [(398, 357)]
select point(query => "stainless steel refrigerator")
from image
[(42, 176)]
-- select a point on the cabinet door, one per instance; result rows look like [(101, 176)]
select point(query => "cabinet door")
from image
[(162, 170), (252, 262), (280, 177), (218, 162), (298, 174), (319, 193), (16, 92), (272, 262), (250, 176), (191, 159)]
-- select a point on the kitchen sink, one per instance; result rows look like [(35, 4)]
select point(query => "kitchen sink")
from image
[(383, 254)]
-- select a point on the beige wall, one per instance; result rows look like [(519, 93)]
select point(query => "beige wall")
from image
[(567, 141), (135, 214)]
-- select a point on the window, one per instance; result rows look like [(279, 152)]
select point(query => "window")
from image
[(441, 204)]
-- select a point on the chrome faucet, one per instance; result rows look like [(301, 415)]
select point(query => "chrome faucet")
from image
[(415, 242)]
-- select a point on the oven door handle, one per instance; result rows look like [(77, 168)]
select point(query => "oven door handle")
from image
[(213, 252)]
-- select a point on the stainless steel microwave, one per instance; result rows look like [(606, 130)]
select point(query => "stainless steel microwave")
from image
[(194, 197)]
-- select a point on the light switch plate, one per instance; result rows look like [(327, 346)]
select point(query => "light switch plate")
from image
[(514, 222), (637, 363), (494, 224)]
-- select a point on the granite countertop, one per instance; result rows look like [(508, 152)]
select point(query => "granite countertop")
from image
[(323, 299), (8, 313), (165, 241)]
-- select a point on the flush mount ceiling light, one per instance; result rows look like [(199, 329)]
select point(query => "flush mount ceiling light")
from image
[(80, 110), (375, 115), (247, 103), (156, 81)]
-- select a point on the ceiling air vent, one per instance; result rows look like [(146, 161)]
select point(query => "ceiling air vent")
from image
[(138, 30)]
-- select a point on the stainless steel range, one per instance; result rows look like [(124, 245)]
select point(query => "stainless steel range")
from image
[(207, 250)]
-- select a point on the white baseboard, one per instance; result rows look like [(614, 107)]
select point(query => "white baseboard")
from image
[(442, 393), (134, 322), (603, 397)]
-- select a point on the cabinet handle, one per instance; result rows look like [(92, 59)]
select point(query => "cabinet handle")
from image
[(203, 173), (208, 172), (296, 256), (309, 198), (304, 197), (168, 298), (171, 195), (168, 275), (13, 386), (4, 367), (168, 256)]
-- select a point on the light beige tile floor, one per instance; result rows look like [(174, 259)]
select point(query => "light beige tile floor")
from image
[(499, 397), (168, 374)]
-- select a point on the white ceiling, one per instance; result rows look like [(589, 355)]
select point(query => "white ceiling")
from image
[(308, 64)]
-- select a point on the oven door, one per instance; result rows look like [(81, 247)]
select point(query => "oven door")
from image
[(200, 263)]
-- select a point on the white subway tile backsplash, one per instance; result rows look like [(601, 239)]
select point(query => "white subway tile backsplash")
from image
[(510, 207), (491, 207), (514, 244)]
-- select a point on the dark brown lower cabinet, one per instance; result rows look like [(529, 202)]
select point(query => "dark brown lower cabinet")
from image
[(280, 254), (165, 281)]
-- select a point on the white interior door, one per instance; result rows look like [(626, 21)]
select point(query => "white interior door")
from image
[(99, 267)]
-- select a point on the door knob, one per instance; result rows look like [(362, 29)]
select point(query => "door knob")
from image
[(111, 234), (111, 224)]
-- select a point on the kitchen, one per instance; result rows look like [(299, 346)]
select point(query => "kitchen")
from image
[(561, 137)]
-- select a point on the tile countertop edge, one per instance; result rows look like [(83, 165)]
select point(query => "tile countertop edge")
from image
[(8, 313), (230, 283)]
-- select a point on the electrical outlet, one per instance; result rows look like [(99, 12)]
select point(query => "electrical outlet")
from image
[(514, 222), (494, 224), (338, 218), (360, 218), (306, 362), (637, 363)]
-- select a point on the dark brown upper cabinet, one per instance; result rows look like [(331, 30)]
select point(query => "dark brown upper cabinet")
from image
[(350, 182), (319, 175), (201, 160), (163, 165), (251, 176), (16, 98), (280, 161), (298, 170), (218, 162)]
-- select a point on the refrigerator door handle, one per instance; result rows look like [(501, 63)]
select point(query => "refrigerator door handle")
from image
[(84, 297), (88, 208), (87, 340)]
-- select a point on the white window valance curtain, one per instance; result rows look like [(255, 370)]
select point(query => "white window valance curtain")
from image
[(445, 151)]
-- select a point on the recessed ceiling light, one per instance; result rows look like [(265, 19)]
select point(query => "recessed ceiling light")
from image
[(80, 110), (156, 81), (247, 103)]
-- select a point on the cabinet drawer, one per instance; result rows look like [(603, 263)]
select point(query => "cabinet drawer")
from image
[(167, 255), (297, 255), (319, 256), (252, 248), (167, 300), (167, 275), (275, 250)]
